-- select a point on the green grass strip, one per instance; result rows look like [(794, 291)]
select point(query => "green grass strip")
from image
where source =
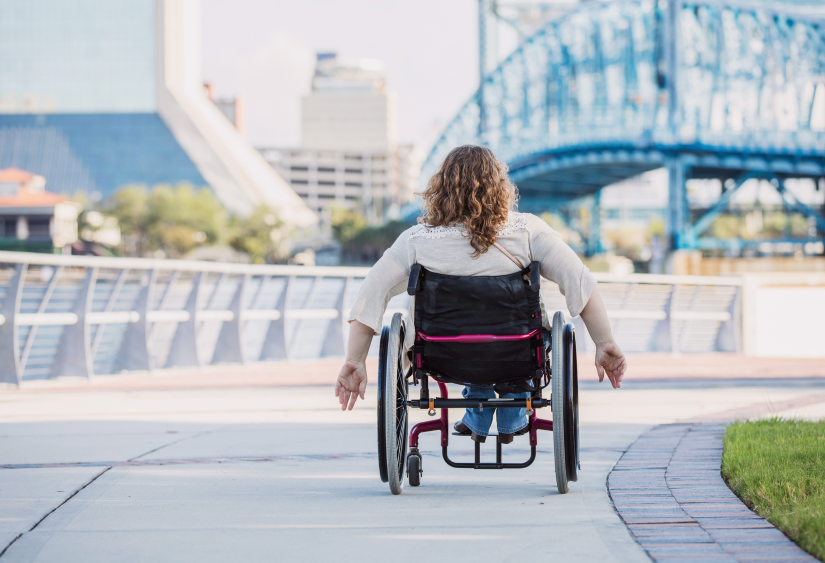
[(777, 467)]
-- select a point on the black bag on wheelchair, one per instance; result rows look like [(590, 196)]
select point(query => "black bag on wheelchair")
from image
[(458, 317)]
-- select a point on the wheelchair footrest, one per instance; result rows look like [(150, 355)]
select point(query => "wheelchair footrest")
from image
[(499, 464)]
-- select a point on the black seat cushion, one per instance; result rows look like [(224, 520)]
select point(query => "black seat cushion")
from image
[(458, 305)]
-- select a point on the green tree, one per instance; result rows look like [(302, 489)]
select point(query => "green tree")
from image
[(130, 206), (172, 219), (656, 227), (362, 243), (774, 224), (726, 226), (556, 222), (347, 224), (181, 218), (262, 235), (799, 225)]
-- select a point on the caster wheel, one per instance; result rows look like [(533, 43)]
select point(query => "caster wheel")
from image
[(414, 470)]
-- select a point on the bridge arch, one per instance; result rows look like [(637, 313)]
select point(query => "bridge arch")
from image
[(611, 90)]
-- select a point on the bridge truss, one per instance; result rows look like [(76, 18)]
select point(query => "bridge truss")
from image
[(610, 90)]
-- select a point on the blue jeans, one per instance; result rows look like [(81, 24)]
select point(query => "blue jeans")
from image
[(508, 421)]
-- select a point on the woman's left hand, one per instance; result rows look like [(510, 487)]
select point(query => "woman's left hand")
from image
[(611, 361), (352, 382)]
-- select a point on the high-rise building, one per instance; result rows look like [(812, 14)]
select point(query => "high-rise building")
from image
[(349, 107), (349, 155), (96, 95)]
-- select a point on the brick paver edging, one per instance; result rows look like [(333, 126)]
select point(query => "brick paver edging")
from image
[(668, 490)]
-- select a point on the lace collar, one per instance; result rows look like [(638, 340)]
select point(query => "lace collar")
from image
[(515, 222)]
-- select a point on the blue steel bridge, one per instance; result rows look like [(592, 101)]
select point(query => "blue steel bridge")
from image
[(611, 90)]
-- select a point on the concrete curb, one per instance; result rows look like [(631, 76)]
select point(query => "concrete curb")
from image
[(668, 490)]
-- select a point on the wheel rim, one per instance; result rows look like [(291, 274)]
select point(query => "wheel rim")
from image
[(402, 387), (382, 376), (558, 401), (394, 401), (571, 404)]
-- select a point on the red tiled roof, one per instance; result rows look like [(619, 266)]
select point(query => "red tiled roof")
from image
[(25, 198), (15, 175)]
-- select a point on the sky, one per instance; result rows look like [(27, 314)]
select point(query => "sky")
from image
[(264, 51)]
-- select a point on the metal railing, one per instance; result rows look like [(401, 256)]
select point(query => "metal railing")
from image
[(81, 316), (663, 313)]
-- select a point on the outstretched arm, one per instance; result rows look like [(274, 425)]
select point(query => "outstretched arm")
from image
[(352, 380), (385, 280), (609, 357), (560, 264)]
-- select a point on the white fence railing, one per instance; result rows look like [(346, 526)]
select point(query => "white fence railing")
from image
[(80, 316), (661, 313)]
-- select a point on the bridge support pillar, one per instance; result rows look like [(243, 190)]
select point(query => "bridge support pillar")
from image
[(277, 343), (74, 353), (594, 240), (184, 350), (335, 342), (229, 348), (10, 371), (135, 353), (677, 203)]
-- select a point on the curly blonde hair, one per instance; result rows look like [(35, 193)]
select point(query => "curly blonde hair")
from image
[(470, 188)]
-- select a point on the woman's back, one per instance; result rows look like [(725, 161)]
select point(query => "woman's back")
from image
[(447, 250), (469, 208)]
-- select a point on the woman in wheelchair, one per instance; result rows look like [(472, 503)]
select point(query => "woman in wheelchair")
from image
[(472, 265)]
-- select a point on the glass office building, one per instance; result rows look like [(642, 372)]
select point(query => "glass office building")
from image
[(96, 95), (83, 56)]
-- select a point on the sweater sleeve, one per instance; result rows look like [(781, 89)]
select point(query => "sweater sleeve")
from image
[(560, 264), (384, 281)]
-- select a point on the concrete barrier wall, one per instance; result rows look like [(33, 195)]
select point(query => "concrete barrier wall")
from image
[(783, 315)]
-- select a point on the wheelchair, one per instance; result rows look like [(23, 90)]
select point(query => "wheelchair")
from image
[(476, 330)]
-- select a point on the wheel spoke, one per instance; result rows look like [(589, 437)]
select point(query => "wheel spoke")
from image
[(400, 452), (401, 437), (401, 423)]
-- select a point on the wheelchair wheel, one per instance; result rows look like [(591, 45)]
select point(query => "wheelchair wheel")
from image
[(571, 404), (565, 400), (392, 409)]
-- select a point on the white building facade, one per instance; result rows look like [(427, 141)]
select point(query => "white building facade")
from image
[(349, 156)]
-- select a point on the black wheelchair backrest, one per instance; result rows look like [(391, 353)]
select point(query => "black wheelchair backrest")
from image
[(455, 306), (534, 271)]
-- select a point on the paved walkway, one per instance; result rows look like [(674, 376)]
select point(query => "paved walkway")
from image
[(656, 368), (668, 490), (185, 471)]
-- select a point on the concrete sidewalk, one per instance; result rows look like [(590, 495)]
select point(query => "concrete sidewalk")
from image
[(644, 368), (279, 473)]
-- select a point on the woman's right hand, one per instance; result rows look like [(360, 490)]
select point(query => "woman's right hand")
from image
[(352, 382), (610, 360), (352, 379)]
